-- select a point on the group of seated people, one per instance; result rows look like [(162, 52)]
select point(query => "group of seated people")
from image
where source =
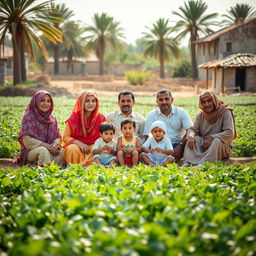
[(123, 136)]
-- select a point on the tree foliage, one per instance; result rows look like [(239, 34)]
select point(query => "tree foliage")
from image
[(159, 43), (24, 19), (195, 23), (244, 11), (103, 35)]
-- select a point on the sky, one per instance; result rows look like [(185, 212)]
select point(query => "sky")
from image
[(135, 15)]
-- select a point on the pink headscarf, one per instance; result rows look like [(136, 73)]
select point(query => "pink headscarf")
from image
[(39, 125)]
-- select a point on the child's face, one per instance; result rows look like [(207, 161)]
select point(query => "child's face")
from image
[(158, 133), (108, 135), (128, 130)]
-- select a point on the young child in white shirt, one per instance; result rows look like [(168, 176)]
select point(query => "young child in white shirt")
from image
[(157, 149), (104, 149)]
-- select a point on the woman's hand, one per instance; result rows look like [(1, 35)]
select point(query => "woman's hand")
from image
[(83, 147), (54, 149), (191, 142), (206, 144), (46, 145)]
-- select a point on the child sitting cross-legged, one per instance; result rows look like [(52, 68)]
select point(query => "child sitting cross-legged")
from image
[(128, 146), (104, 149), (157, 149)]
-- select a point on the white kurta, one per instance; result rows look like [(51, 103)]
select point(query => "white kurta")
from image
[(222, 132)]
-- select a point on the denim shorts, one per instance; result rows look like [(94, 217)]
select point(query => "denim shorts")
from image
[(104, 160), (155, 160)]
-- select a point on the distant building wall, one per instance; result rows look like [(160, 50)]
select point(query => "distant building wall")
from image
[(241, 39), (251, 79), (120, 69)]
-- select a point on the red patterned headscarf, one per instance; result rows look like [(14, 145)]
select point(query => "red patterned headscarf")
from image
[(39, 125), (85, 129), (219, 108)]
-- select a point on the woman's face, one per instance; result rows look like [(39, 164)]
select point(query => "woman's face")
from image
[(45, 104), (207, 104), (90, 103)]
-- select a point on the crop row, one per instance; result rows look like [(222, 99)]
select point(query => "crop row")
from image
[(121, 211)]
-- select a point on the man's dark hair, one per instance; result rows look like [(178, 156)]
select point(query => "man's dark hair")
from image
[(126, 92), (128, 121), (164, 91), (106, 126)]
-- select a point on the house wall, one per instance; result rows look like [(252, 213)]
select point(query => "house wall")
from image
[(230, 79), (206, 52), (78, 68), (251, 79), (120, 69), (243, 40), (92, 67)]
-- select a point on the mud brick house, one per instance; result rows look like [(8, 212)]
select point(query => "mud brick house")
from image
[(226, 58)]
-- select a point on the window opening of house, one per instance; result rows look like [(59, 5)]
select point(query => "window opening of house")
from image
[(229, 47)]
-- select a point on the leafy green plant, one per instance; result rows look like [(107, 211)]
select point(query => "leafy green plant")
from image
[(136, 77), (128, 211)]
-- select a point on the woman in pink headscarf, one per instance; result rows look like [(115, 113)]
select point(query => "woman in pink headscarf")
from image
[(210, 138), (82, 129), (39, 135)]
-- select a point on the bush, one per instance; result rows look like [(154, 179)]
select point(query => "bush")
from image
[(135, 77), (182, 69), (34, 67)]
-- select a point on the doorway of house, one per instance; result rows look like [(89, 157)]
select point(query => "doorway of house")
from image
[(240, 78)]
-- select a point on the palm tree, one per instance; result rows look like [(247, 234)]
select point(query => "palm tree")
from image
[(159, 44), (73, 43), (62, 13), (244, 11), (23, 19), (194, 22), (105, 33)]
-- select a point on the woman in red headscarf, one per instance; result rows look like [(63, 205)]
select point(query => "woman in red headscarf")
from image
[(39, 135), (210, 139), (82, 129)]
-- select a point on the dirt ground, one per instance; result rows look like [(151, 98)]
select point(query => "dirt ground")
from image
[(107, 86), (180, 88)]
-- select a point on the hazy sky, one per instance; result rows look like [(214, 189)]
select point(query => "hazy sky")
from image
[(134, 15)]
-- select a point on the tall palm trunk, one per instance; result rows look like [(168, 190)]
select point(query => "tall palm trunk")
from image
[(16, 59), (193, 58), (22, 60), (161, 61), (56, 55), (101, 56)]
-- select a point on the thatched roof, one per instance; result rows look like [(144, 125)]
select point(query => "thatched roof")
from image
[(232, 61), (222, 31)]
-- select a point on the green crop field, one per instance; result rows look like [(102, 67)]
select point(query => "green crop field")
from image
[(172, 211)]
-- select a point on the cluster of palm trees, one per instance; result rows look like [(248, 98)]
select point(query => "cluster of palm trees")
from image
[(48, 25)]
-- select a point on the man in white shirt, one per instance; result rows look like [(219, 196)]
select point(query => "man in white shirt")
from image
[(176, 119), (126, 101)]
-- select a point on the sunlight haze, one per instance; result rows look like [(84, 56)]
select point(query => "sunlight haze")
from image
[(135, 15)]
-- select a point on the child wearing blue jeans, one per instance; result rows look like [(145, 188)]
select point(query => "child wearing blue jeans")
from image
[(157, 149), (104, 149)]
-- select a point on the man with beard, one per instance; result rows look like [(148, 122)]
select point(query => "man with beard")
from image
[(126, 101), (176, 119)]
